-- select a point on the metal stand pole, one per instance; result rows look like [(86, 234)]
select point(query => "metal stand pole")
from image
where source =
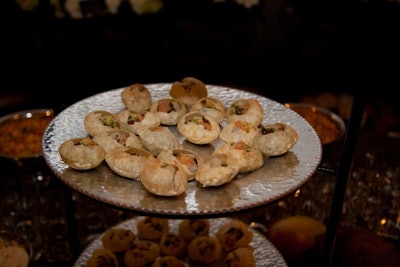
[(71, 222), (353, 129)]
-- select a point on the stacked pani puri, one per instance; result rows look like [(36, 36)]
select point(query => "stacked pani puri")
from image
[(138, 142), (155, 243)]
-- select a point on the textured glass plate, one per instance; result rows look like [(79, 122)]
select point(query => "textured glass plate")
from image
[(265, 253), (278, 176)]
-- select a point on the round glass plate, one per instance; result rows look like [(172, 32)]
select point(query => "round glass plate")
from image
[(278, 176), (265, 253)]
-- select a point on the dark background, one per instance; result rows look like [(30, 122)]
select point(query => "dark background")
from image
[(281, 49)]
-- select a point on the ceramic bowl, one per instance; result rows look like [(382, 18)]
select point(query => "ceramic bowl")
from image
[(21, 133), (327, 124)]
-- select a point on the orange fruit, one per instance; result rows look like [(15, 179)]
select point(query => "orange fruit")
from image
[(295, 235)]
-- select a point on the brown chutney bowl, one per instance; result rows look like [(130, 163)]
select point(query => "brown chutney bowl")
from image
[(329, 126)]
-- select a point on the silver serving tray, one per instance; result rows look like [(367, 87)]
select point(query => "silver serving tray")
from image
[(278, 176)]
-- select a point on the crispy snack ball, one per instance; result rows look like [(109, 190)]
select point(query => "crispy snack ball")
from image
[(191, 228), (275, 139), (189, 90), (81, 153), (118, 239), (204, 249), (234, 234), (152, 228), (136, 97), (102, 257)]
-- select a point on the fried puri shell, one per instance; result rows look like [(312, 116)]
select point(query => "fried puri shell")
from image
[(239, 130), (169, 110), (135, 258), (234, 234), (131, 121), (216, 170), (191, 228), (275, 139), (188, 91), (155, 139), (117, 138), (99, 121), (169, 261), (210, 106), (151, 249), (172, 244), (102, 257), (243, 256), (164, 178), (81, 153), (245, 109), (128, 161), (199, 128), (118, 239), (188, 159), (152, 228), (204, 249), (136, 97), (248, 158)]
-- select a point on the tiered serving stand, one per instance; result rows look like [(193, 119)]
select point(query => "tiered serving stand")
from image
[(278, 177)]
